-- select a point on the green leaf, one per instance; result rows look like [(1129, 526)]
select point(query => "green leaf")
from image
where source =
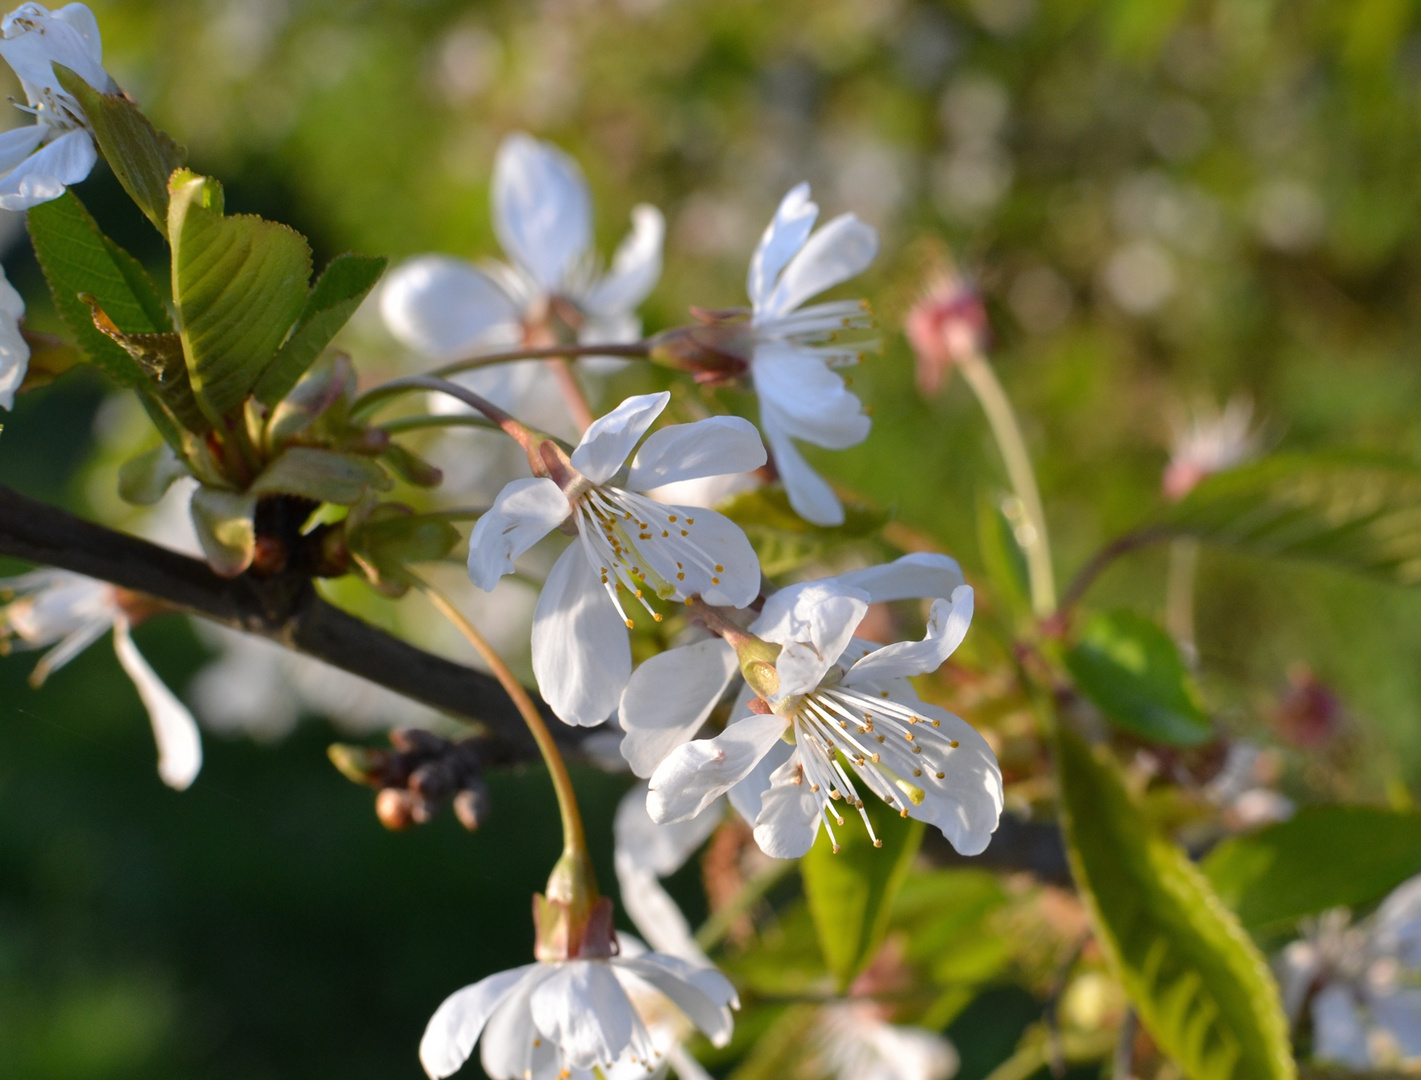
[(141, 156), (1324, 857), (1356, 513), (1132, 671), (1002, 557), (394, 537), (851, 891), (323, 475), (78, 258), (338, 292), (1195, 978), (238, 283), (161, 358), (226, 528)]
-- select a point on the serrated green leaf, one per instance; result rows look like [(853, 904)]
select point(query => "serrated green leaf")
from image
[(238, 283), (323, 475), (1324, 857), (225, 522), (1198, 983), (161, 358), (851, 892), (1133, 672), (141, 156), (1359, 514), (337, 293), (78, 259)]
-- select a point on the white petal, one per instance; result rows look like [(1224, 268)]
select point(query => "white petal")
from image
[(509, 1033), (542, 211), (69, 39), (659, 849), (611, 438), (1337, 1031), (651, 908), (581, 655), (966, 804), (947, 626), (702, 993), (732, 577), (809, 494), (1397, 924), (14, 349), (19, 143), (668, 698), (684, 1065), (814, 621), (748, 796), (789, 814), (455, 1027), (808, 399), (696, 773), (524, 512), (584, 1009), (921, 575), (44, 174), (445, 308), (82, 20), (785, 235), (840, 250), (635, 267), (1398, 1012), (174, 729), (710, 447)]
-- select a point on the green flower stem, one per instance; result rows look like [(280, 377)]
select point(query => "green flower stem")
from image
[(1005, 429), (525, 437), (574, 839), (1179, 595), (714, 929), (417, 423)]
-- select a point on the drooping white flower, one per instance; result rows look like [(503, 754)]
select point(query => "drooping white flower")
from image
[(39, 161), (1208, 441), (854, 1041), (553, 287), (1361, 984), (842, 702), (14, 349), (796, 353), (71, 612), (627, 546), (556, 1020)]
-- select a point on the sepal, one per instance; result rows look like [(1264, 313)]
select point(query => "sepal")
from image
[(226, 528)]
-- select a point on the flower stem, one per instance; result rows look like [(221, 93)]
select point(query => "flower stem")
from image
[(637, 350), (573, 838), (416, 423), (1179, 595), (371, 400), (1035, 542)]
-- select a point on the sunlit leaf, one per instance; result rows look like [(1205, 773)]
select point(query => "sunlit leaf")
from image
[(323, 475), (1195, 978)]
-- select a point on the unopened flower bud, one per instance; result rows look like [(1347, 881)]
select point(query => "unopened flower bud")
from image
[(945, 327), (1309, 715), (396, 808), (433, 782)]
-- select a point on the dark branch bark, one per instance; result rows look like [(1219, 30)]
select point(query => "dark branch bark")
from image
[(284, 608)]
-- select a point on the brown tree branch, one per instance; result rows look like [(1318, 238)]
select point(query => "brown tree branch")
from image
[(284, 608)]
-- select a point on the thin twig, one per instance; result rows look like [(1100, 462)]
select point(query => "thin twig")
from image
[(1104, 557)]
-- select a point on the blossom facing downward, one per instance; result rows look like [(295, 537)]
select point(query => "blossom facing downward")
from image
[(71, 612), (855, 1042), (945, 327), (558, 1020), (39, 161), (797, 348), (14, 349), (844, 704), (628, 547), (1359, 983), (1208, 441)]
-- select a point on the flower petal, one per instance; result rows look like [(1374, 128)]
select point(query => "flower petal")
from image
[(696, 773), (966, 804), (789, 814), (509, 1033), (810, 495), (14, 350), (947, 626), (713, 559), (635, 267), (524, 512), (455, 1027), (814, 621), (660, 849), (174, 729), (19, 143), (542, 211), (584, 1009), (785, 235), (36, 39), (702, 993), (581, 656), (46, 173), (711, 447), (921, 575), (668, 698), (610, 439), (445, 308), (1337, 1031), (808, 399), (842, 249)]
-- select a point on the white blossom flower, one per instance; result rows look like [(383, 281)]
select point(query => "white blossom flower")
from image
[(56, 606), (1208, 441), (796, 348), (839, 700), (1360, 984), (40, 160), (557, 1020), (854, 1042), (14, 350), (553, 288), (627, 545)]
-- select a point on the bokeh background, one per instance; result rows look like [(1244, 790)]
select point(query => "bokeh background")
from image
[(1162, 201)]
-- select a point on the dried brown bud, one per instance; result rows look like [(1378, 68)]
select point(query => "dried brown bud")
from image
[(395, 807), (472, 804), (1309, 715)]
